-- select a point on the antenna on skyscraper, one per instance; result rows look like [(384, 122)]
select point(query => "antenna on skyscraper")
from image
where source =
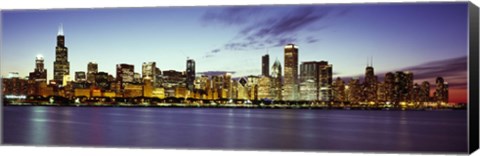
[(60, 30), (371, 64)]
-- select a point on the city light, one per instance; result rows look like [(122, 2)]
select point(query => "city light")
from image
[(306, 84)]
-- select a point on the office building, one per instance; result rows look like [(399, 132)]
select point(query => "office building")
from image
[(276, 80), (265, 65), (125, 74), (39, 74), (61, 66), (80, 76), (290, 85), (92, 69), (190, 74)]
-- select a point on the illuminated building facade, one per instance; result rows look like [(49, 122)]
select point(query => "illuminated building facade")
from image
[(101, 81), (40, 73), (149, 70), (190, 74), (276, 81), (389, 84), (80, 76), (264, 86), (316, 81), (125, 74), (338, 88), (61, 66), (441, 90), (92, 69), (290, 86)]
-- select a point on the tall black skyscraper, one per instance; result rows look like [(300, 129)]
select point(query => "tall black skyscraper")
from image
[(370, 84), (265, 65), (61, 66), (190, 74)]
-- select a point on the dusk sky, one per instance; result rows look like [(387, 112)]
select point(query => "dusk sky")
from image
[(429, 39)]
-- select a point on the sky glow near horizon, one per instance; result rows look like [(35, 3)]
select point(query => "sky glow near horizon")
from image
[(429, 39)]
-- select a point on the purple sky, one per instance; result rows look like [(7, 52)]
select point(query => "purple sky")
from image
[(429, 39)]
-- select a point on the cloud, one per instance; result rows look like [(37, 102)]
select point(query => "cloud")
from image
[(261, 28), (215, 50), (453, 70)]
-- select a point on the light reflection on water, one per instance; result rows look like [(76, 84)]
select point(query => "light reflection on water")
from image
[(443, 131)]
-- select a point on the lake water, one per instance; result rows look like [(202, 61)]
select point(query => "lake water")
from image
[(245, 129)]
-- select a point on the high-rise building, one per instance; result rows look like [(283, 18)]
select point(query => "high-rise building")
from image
[(276, 80), (61, 66), (389, 82), (403, 87), (409, 79), (190, 74), (92, 69), (325, 81), (290, 86), (125, 74), (149, 70), (353, 91), (424, 92), (265, 65), (101, 81), (264, 87), (40, 73), (370, 85), (316, 81), (80, 76), (441, 90), (309, 81), (339, 90)]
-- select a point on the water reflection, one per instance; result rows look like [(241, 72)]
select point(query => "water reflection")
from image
[(237, 128)]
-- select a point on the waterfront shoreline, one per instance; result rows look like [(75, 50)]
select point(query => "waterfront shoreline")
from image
[(179, 105)]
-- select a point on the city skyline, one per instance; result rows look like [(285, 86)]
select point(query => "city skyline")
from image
[(208, 60)]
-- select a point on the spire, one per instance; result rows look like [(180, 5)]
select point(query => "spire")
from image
[(60, 30)]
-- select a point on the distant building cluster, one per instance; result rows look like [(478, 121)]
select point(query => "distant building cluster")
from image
[(311, 81)]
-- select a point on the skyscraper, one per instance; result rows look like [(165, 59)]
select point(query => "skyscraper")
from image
[(325, 81), (309, 80), (92, 69), (441, 90), (316, 81), (370, 85), (40, 73), (265, 65), (149, 70), (61, 66), (190, 79), (290, 87), (339, 90), (125, 74), (424, 92), (389, 82), (276, 80)]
